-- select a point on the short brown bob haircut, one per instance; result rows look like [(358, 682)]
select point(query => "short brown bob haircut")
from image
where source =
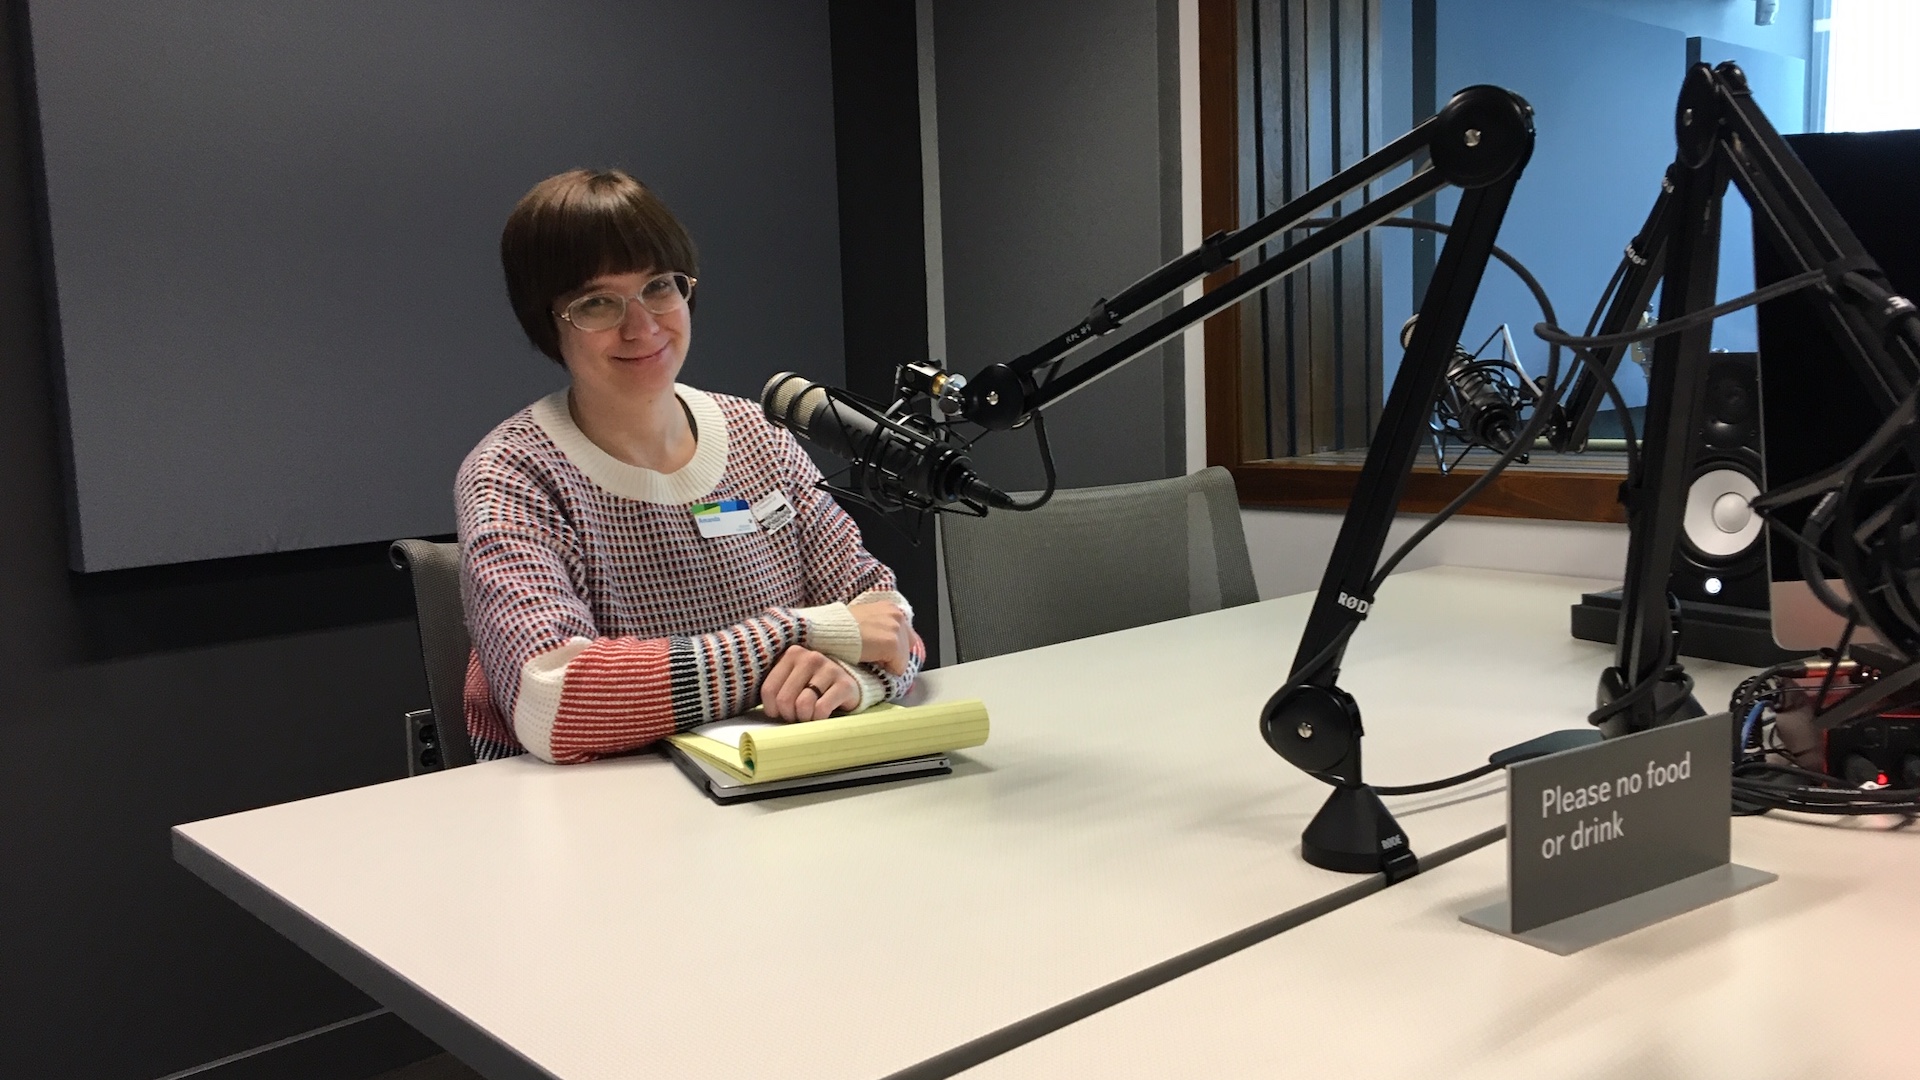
[(576, 226)]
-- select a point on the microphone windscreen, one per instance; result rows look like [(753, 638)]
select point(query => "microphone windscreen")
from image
[(792, 399)]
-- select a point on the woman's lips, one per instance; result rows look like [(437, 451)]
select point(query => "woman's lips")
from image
[(654, 355)]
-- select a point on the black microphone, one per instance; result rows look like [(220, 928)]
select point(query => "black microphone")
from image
[(895, 464), (1483, 405), (1479, 401)]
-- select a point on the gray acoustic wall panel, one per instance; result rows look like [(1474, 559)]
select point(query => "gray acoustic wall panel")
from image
[(1059, 184), (273, 234)]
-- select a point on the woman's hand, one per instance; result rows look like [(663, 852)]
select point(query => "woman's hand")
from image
[(806, 685), (886, 635)]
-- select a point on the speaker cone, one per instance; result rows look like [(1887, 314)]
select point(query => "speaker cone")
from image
[(1722, 554), (1719, 524)]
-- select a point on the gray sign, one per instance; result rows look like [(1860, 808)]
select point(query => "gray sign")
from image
[(1590, 826)]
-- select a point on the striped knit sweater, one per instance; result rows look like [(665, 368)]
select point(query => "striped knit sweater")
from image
[(602, 620)]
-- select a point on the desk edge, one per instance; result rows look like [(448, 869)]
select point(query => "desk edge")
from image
[(426, 1013)]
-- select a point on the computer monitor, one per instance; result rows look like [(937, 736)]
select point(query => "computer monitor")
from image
[(1814, 409)]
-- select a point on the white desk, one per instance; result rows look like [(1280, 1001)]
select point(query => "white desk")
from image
[(1810, 976), (607, 921)]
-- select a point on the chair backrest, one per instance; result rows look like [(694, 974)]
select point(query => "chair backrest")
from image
[(444, 645), (1095, 560)]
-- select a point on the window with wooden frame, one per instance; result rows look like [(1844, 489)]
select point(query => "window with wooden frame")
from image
[(1292, 91)]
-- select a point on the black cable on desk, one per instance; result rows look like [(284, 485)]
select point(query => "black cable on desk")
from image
[(1436, 785)]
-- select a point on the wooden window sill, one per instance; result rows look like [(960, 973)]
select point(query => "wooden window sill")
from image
[(1536, 491)]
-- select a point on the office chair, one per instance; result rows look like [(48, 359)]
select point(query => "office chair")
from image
[(444, 645), (1095, 560)]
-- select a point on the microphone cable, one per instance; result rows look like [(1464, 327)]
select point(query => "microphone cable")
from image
[(1768, 777), (1582, 344), (1037, 418), (1840, 487), (1555, 335), (1550, 389), (1756, 785), (1549, 386), (1045, 449), (1760, 787), (1440, 785)]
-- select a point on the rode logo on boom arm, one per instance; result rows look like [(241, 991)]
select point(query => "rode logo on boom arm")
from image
[(1355, 604)]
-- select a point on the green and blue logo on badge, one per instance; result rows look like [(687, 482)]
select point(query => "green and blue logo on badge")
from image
[(728, 517)]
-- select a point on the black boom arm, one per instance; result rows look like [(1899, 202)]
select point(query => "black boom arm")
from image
[(1479, 143), (1724, 137)]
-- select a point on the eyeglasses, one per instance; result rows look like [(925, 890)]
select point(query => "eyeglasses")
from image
[(662, 295)]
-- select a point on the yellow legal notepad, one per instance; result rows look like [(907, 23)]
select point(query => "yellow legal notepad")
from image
[(758, 750)]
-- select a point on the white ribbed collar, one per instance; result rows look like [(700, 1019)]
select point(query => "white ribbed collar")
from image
[(691, 482)]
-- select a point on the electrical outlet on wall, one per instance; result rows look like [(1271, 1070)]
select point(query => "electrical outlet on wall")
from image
[(423, 743)]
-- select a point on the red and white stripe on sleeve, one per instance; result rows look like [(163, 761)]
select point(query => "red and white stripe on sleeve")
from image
[(603, 621)]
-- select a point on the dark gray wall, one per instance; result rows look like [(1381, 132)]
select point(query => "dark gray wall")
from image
[(883, 258), (135, 700), (1059, 184), (274, 232), (132, 700)]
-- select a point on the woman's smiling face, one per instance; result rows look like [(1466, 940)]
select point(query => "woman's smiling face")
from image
[(643, 355)]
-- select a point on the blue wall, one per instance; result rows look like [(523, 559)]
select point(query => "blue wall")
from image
[(1728, 20), (1602, 82)]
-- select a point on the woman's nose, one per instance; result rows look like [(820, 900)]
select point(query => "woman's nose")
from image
[(639, 320)]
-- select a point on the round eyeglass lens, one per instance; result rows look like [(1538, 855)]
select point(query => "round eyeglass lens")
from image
[(665, 293), (599, 311)]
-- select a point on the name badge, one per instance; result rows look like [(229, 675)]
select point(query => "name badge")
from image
[(773, 511), (729, 517)]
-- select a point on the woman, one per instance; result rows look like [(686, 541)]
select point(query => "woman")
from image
[(639, 557)]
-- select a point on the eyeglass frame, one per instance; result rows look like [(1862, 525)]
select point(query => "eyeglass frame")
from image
[(686, 299)]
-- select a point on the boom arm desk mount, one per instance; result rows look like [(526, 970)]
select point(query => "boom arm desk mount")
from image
[(1479, 142), (1723, 136)]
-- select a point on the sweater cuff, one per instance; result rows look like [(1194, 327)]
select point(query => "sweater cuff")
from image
[(872, 690), (887, 596), (832, 629), (537, 702)]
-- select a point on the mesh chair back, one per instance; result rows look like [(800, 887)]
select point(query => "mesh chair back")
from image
[(1095, 560), (444, 645)]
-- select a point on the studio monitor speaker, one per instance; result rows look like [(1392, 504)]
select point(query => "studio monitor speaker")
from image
[(1722, 556)]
